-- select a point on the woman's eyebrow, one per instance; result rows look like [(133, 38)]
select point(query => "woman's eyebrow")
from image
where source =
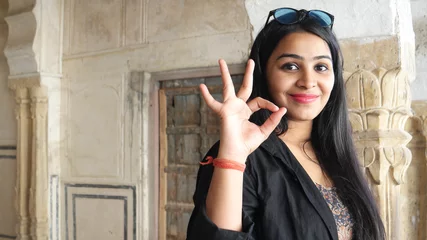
[(296, 56), (290, 55), (322, 56)]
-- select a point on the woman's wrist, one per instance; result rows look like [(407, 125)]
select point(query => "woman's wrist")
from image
[(232, 155), (224, 163)]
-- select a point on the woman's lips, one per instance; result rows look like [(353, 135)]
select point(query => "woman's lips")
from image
[(304, 98)]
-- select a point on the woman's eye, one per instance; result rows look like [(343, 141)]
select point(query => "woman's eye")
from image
[(290, 66), (321, 68)]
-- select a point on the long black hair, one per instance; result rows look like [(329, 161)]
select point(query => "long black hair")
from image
[(331, 134)]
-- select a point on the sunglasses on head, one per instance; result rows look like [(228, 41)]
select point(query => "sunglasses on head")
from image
[(288, 16)]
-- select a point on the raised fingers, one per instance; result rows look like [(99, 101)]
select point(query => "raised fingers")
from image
[(228, 87), (210, 101), (246, 88)]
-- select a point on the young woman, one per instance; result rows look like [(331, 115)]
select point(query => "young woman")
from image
[(288, 148)]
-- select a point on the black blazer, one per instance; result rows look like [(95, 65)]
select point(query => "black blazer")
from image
[(280, 201)]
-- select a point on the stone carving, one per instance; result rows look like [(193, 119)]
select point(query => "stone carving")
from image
[(24, 82), (379, 105)]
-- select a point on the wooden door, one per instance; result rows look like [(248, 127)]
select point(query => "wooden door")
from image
[(188, 128)]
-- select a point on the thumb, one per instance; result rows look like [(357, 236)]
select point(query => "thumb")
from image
[(271, 123)]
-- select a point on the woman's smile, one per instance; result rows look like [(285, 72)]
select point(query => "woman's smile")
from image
[(304, 98)]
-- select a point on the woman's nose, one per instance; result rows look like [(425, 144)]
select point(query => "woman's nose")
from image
[(307, 79)]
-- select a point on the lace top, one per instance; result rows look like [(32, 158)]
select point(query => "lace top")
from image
[(341, 214)]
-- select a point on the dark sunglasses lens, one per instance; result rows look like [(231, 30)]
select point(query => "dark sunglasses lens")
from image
[(321, 17), (286, 16)]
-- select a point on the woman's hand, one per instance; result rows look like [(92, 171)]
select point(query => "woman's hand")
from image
[(238, 136)]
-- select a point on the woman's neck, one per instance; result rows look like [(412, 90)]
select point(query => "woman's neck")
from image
[(298, 132)]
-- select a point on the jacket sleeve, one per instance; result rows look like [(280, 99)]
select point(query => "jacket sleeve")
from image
[(200, 227)]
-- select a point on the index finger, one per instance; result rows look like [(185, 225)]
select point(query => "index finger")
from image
[(247, 84), (228, 87)]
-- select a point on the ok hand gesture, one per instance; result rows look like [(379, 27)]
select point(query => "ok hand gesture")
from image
[(238, 136)]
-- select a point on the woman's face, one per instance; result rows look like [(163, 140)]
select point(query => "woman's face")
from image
[(300, 75)]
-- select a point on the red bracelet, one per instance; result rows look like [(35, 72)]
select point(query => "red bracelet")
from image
[(224, 163)]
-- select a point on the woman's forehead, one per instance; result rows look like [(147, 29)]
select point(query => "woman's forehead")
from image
[(304, 44)]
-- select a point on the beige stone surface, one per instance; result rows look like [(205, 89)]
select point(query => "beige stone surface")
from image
[(370, 53), (415, 192)]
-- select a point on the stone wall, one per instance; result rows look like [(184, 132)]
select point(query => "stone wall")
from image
[(414, 192), (419, 18), (7, 139)]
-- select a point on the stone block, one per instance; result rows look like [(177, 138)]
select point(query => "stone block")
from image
[(94, 25), (99, 212), (96, 128), (370, 53), (180, 19)]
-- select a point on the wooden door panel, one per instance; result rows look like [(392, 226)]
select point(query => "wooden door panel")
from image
[(188, 128)]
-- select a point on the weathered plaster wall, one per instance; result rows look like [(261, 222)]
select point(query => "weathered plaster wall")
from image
[(419, 19)]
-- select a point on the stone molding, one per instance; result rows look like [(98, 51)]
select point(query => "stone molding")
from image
[(22, 24)]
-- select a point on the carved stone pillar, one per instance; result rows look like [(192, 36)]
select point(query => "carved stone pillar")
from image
[(23, 182), (32, 196), (379, 103), (39, 171)]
